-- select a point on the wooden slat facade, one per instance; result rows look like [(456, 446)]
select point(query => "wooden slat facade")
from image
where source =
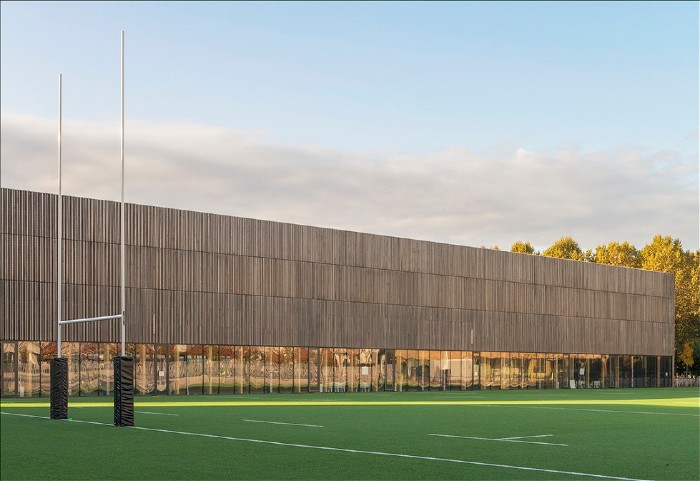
[(196, 278)]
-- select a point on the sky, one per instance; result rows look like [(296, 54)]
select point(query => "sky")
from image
[(467, 123)]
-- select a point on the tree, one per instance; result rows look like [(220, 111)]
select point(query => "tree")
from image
[(662, 254), (618, 254), (686, 355), (522, 247), (565, 248), (667, 255)]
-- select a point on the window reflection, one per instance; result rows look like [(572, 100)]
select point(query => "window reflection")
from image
[(353, 372), (550, 371), (257, 369), (89, 369), (225, 362), (105, 383), (595, 372), (436, 374), (340, 363), (29, 371), (491, 370), (510, 375), (144, 369), (9, 369), (666, 371), (613, 375), (455, 381), (389, 370), (71, 351), (210, 372), (177, 370), (326, 370), (314, 370), (48, 352), (206, 369), (639, 368), (529, 371), (241, 369), (625, 371), (424, 370), (272, 369), (467, 370), (401, 369), (301, 369), (286, 369), (366, 364), (195, 369), (161, 368), (652, 371)]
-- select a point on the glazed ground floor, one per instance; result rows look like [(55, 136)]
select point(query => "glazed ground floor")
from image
[(212, 369)]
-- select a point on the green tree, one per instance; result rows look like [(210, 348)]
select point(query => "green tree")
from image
[(522, 247), (565, 248), (667, 255), (618, 254)]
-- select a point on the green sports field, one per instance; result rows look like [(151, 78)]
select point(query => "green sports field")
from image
[(650, 434)]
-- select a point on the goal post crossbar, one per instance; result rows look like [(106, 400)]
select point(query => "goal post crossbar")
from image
[(91, 319)]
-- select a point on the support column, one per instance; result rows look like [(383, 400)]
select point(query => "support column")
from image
[(59, 388), (123, 391)]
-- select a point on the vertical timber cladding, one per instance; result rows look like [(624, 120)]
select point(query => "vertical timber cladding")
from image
[(202, 278)]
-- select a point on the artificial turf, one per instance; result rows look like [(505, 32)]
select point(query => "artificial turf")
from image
[(574, 434)]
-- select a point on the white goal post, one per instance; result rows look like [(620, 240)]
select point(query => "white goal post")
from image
[(59, 222)]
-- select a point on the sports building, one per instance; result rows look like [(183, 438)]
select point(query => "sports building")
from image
[(220, 304)]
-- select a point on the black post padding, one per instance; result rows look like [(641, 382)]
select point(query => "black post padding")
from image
[(59, 388), (123, 391)]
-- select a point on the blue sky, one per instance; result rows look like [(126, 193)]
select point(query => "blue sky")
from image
[(470, 92)]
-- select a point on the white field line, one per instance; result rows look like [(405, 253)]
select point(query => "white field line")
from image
[(355, 451), (277, 422), (583, 409), (534, 436), (504, 440), (159, 414)]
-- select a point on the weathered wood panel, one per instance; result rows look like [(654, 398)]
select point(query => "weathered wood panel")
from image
[(205, 278)]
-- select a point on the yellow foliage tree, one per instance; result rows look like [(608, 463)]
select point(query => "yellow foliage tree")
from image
[(618, 254), (667, 255), (522, 247), (565, 248), (686, 355)]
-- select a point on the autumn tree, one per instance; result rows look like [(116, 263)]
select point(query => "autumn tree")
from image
[(618, 254), (686, 355), (565, 248), (522, 247), (667, 255)]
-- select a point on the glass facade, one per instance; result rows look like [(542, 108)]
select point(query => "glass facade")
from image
[(178, 369)]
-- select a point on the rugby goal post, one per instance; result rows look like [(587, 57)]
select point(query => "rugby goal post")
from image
[(123, 364)]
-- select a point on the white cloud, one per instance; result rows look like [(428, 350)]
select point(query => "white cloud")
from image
[(453, 195)]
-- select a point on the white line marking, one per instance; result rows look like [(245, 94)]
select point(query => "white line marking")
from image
[(588, 410), (277, 422), (160, 414), (535, 436), (25, 415), (505, 440), (354, 451)]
